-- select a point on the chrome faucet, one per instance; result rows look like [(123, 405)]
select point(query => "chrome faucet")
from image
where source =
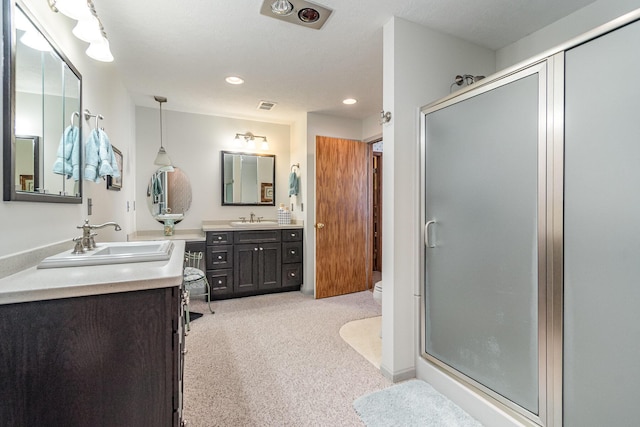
[(86, 241), (252, 217)]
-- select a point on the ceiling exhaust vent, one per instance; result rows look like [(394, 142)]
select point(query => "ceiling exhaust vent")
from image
[(266, 105)]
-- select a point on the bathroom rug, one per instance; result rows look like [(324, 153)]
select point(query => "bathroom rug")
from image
[(411, 403)]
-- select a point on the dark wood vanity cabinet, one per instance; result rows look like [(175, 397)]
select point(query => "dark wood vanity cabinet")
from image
[(253, 262), (101, 360)]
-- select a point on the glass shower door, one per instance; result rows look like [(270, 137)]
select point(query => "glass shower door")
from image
[(482, 253)]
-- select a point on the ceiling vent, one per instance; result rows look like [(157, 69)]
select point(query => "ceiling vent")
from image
[(266, 105), (299, 12)]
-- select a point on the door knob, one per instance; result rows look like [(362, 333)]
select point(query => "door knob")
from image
[(319, 225)]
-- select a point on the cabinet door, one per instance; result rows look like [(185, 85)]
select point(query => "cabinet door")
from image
[(221, 282), (291, 275), (292, 235), (291, 252), (219, 257), (269, 261), (100, 360), (219, 237), (245, 267)]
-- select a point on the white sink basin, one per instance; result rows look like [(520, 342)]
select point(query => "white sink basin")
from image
[(261, 224), (175, 217), (112, 253)]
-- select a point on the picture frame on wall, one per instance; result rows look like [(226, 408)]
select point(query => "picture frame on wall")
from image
[(266, 195), (115, 183)]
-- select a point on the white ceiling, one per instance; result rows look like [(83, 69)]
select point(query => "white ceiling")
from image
[(183, 49)]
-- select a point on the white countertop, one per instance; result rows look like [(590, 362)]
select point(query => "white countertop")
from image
[(144, 235), (224, 225), (35, 284)]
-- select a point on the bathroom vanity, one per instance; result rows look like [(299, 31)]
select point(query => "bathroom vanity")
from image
[(253, 261), (95, 345)]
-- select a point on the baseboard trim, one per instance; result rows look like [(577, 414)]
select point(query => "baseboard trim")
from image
[(396, 377)]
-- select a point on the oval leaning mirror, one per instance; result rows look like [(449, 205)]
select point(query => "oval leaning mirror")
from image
[(169, 194), (41, 115)]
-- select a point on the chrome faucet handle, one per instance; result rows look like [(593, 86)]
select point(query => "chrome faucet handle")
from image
[(260, 218), (92, 242), (78, 248), (243, 218)]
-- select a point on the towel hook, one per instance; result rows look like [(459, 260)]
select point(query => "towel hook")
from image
[(75, 114), (88, 115), (295, 165), (98, 117)]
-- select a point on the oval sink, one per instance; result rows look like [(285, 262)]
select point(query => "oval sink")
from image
[(163, 217), (261, 224), (112, 253)]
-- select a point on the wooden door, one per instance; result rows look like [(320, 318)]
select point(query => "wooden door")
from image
[(342, 216)]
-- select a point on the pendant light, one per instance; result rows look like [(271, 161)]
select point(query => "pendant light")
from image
[(162, 159)]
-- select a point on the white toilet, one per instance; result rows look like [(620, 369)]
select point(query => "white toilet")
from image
[(377, 292)]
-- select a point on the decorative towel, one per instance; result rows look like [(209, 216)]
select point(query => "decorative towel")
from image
[(68, 158), (100, 160), (294, 184)]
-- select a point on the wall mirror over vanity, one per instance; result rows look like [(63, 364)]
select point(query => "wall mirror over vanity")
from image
[(41, 114), (248, 179)]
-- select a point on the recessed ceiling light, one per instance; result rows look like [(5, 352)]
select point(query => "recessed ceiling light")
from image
[(349, 101), (234, 80)]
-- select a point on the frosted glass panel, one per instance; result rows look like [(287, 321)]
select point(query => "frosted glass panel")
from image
[(602, 232), (482, 276)]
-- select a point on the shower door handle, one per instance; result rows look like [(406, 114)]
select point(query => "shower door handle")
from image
[(426, 234)]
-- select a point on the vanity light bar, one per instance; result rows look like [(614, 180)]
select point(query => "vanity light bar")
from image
[(84, 11)]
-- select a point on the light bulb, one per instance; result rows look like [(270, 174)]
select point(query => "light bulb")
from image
[(100, 51), (74, 9), (88, 30), (282, 7)]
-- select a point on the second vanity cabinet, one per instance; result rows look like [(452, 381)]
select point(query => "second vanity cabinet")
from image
[(253, 262), (97, 360)]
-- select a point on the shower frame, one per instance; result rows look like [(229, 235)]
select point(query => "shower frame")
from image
[(551, 65)]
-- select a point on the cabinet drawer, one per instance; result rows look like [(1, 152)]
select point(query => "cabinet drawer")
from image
[(219, 257), (291, 274), (257, 236), (291, 252), (220, 281), (219, 237), (292, 235)]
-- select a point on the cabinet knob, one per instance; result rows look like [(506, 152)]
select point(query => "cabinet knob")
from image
[(293, 234), (219, 282), (255, 249), (293, 252), (219, 256), (219, 237), (293, 274), (261, 249)]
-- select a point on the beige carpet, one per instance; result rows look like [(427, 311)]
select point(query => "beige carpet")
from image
[(277, 360), (364, 336)]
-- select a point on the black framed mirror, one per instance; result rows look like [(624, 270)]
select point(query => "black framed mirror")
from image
[(42, 99), (248, 179)]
